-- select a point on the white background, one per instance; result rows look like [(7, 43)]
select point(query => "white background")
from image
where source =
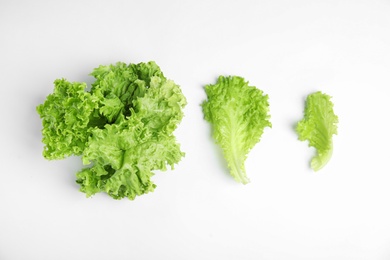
[(286, 48)]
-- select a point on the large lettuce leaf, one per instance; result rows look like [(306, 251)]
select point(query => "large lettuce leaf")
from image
[(238, 114), (124, 157)]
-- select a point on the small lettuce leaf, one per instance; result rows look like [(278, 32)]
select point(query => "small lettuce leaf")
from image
[(238, 114), (318, 127)]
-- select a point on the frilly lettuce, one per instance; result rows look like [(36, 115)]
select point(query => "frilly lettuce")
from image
[(238, 114), (318, 126), (123, 127), (65, 118)]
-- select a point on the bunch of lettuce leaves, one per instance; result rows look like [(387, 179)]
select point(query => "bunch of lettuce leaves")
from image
[(318, 127), (238, 114), (123, 127)]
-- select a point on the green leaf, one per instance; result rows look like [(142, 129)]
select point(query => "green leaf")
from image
[(124, 157), (161, 106), (238, 114), (123, 127), (318, 127), (65, 117)]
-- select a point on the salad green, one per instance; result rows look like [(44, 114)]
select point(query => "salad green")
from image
[(123, 127), (318, 127), (238, 114)]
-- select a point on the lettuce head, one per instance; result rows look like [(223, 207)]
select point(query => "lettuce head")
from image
[(123, 127)]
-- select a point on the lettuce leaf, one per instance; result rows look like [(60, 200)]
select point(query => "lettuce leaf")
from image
[(123, 127), (318, 127), (124, 156), (238, 114), (65, 118)]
